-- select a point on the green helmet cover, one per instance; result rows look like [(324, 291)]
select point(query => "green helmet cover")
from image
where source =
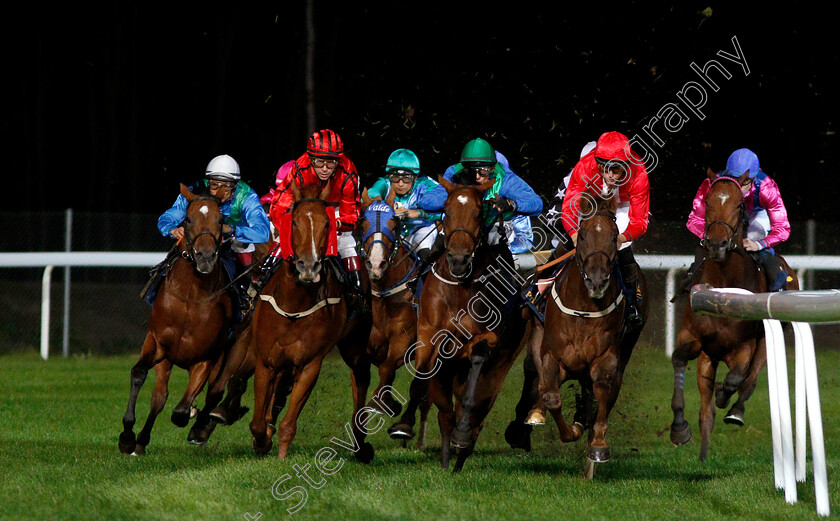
[(403, 159), (478, 151)]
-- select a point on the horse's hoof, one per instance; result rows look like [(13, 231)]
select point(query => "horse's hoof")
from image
[(535, 417), (721, 399), (680, 434), (518, 436), (200, 436), (401, 431), (262, 451), (139, 450), (598, 454), (734, 417), (180, 417), (127, 442), (365, 453)]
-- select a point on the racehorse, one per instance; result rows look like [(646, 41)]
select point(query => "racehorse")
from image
[(585, 337), (189, 324), (740, 344), (390, 266), (288, 335), (466, 343)]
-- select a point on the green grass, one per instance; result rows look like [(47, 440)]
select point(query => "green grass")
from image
[(60, 420)]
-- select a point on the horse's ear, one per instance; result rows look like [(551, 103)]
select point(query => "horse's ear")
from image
[(446, 184), (610, 204), (744, 180), (486, 185), (325, 192), (584, 205), (189, 196), (365, 199), (711, 174), (295, 191), (391, 197)]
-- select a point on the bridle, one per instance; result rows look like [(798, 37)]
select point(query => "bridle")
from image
[(611, 259), (189, 242), (377, 231), (732, 231), (293, 257)]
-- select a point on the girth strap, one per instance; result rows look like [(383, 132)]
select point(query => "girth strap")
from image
[(330, 301)]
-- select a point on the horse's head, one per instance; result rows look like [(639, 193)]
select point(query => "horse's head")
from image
[(597, 250), (380, 233), (725, 216), (462, 226), (202, 230), (310, 230)]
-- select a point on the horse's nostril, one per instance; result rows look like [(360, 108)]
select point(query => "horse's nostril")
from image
[(317, 266), (368, 264)]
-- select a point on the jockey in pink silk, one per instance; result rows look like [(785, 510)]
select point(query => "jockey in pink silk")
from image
[(766, 212)]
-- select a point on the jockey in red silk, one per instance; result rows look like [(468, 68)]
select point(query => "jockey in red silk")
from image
[(613, 163), (766, 212), (325, 163)]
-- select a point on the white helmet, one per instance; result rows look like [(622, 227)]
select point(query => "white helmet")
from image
[(223, 168)]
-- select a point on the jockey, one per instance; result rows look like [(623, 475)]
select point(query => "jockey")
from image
[(418, 202), (768, 220), (282, 173), (325, 163), (610, 165), (510, 194), (245, 221)]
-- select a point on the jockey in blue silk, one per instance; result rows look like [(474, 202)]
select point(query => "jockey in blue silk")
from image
[(510, 194), (418, 199), (245, 220)]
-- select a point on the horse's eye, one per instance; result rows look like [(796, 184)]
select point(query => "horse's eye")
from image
[(187, 220)]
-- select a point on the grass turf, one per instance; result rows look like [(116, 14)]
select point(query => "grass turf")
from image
[(60, 420)]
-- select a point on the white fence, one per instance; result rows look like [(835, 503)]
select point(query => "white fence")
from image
[(672, 264)]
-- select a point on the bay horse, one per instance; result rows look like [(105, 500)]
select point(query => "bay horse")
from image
[(301, 315), (189, 323), (466, 342), (740, 344), (585, 337), (391, 266)]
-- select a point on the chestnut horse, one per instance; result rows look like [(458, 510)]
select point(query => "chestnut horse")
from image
[(390, 266), (301, 315), (585, 337), (466, 343), (740, 344), (189, 324)]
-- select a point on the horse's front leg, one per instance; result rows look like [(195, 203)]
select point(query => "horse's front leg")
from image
[(199, 373), (238, 368), (204, 424), (159, 395), (735, 415), (265, 383), (706, 370), (529, 410), (424, 367), (360, 382), (687, 349), (304, 382), (551, 376), (139, 372), (606, 382)]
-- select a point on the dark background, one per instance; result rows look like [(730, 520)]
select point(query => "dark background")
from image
[(107, 108)]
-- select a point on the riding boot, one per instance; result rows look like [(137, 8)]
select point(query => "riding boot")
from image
[(353, 282), (633, 291), (777, 277), (156, 276), (259, 276), (246, 301), (427, 257)]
